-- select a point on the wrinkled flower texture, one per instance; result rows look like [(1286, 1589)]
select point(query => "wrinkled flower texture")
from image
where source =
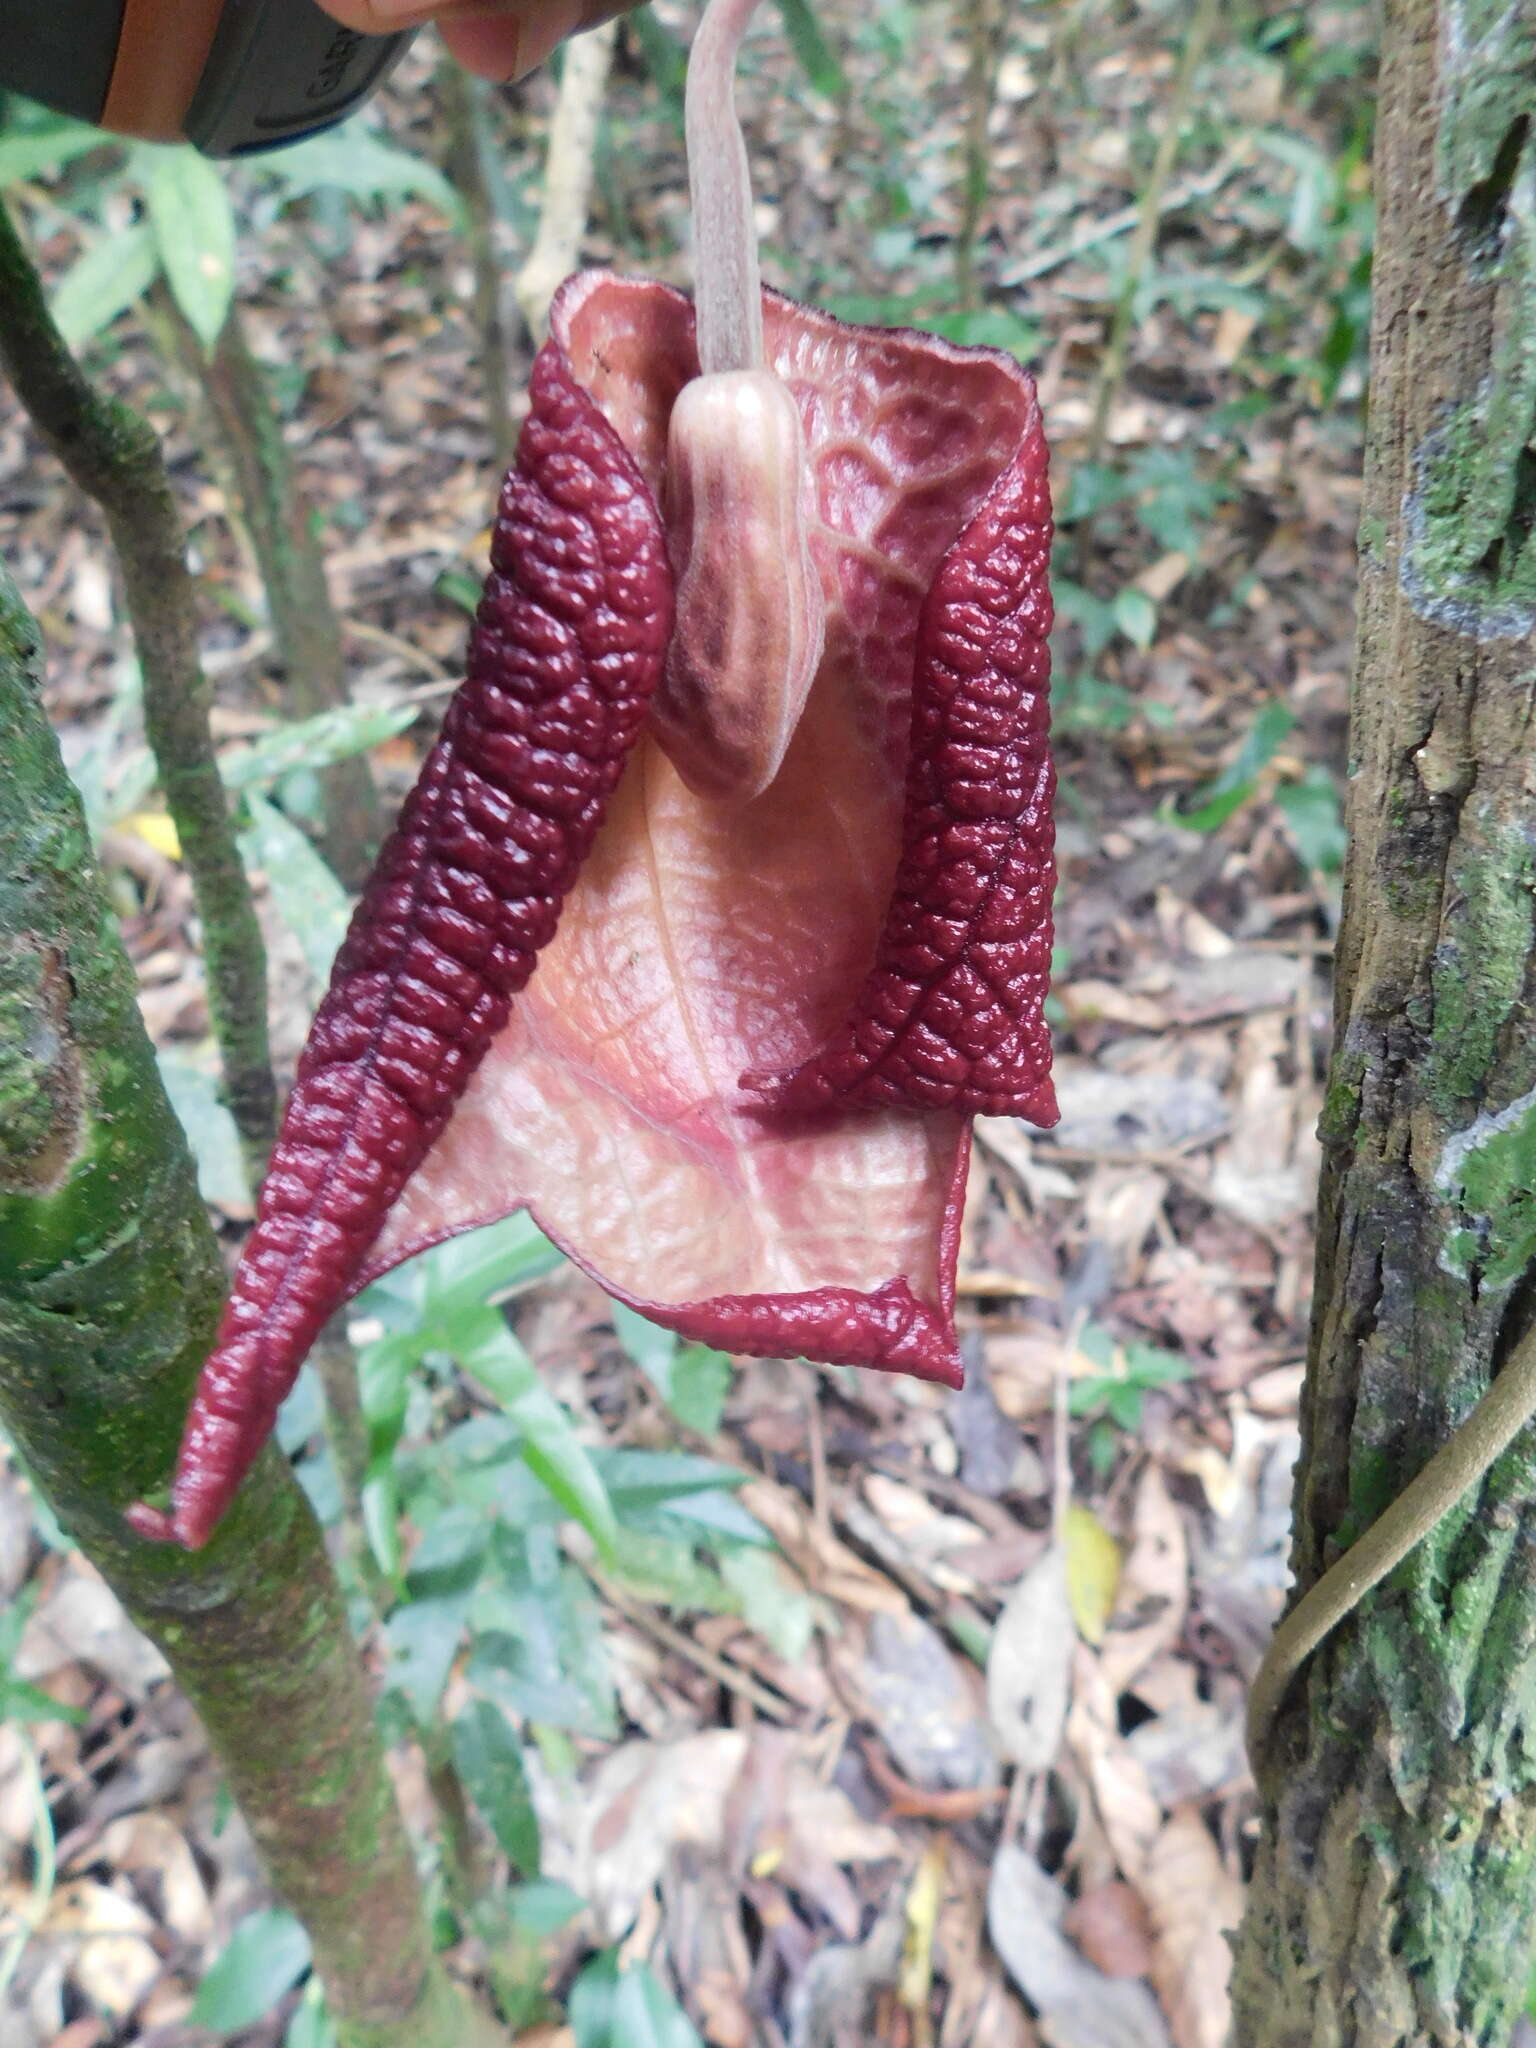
[(738, 1088)]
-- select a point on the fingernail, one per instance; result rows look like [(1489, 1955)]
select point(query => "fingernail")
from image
[(392, 14), (538, 39)]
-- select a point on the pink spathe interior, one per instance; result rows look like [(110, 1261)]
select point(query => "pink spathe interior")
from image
[(702, 942)]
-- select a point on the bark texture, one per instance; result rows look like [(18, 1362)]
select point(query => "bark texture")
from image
[(1394, 1900), (110, 1287)]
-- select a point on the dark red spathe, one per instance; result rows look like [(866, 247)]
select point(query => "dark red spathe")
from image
[(738, 1087)]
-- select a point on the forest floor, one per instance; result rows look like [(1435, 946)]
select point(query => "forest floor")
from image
[(845, 1833)]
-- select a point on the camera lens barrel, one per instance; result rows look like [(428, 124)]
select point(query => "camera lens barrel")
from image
[(232, 76)]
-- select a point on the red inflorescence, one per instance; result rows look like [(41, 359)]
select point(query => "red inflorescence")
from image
[(953, 1013), (738, 1089), (566, 651)]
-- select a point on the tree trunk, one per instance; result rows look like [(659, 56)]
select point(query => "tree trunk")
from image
[(110, 1286), (1394, 1901)]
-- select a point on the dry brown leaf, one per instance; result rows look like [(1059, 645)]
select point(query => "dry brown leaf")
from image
[(81, 1622), (927, 1714), (831, 2005), (1005, 1138), (1277, 1392), (1153, 1597), (609, 1835), (1022, 1365), (912, 1517), (1088, 1001), (1193, 1901), (111, 1958), (980, 2010), (1266, 1172), (1110, 1924), (1152, 1110), (1029, 1666), (1078, 2006), (828, 1566), (1193, 1751), (1241, 1556), (1127, 1809), (1120, 1208), (151, 1847), (1200, 991)]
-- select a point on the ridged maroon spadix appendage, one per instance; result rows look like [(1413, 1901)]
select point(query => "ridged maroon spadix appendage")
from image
[(737, 1089)]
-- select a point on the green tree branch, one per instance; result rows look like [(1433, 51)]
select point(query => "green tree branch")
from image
[(113, 455), (110, 1286)]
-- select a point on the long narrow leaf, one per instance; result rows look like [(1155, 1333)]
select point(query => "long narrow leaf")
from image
[(194, 226), (485, 1347), (103, 281), (812, 48)]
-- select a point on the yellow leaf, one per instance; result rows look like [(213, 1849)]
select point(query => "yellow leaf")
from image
[(156, 829), (1093, 1572), (923, 1902)]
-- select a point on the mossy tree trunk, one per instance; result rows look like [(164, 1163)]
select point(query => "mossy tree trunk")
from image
[(1394, 1901), (110, 1286)]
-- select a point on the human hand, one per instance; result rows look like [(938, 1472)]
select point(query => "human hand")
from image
[(500, 39)]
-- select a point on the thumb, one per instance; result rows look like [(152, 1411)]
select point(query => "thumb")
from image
[(500, 39)]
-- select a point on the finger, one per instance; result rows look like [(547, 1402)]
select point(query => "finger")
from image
[(500, 48), (383, 17), (498, 38)]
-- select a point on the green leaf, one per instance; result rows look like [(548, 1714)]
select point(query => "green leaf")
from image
[(317, 742), (1314, 819), (423, 1637), (487, 1350), (720, 1515), (425, 1298), (194, 226), (668, 1570), (545, 1906), (22, 1701), (590, 2006), (103, 281), (354, 159), (221, 1175), (1094, 619), (311, 2025), (771, 1601), (457, 586), (546, 1660), (663, 56), (38, 150), (805, 38), (988, 327), (692, 1379), (310, 900), (381, 1521), (701, 1381), (424, 1631), (647, 1343), (1136, 616), (1232, 788), (266, 1957), (490, 1761), (610, 2008), (650, 1478)]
